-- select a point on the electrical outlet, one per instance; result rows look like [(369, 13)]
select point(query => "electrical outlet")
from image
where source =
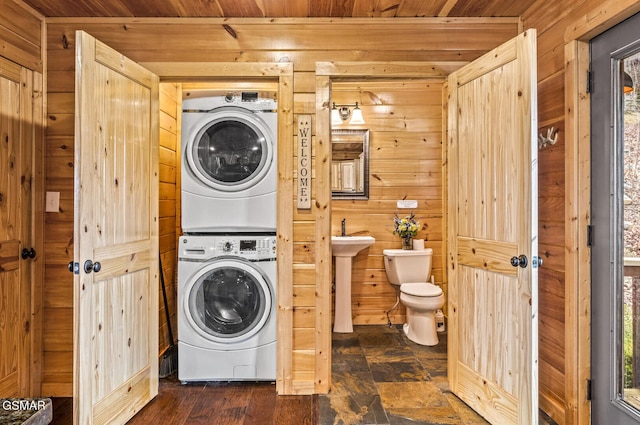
[(52, 202)]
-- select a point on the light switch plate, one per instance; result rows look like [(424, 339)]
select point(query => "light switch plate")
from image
[(52, 202), (406, 203)]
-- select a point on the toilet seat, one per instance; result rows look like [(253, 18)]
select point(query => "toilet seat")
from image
[(421, 289)]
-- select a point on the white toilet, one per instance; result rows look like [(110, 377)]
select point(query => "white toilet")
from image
[(411, 270)]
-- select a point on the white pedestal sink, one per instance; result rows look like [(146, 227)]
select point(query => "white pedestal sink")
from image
[(344, 248)]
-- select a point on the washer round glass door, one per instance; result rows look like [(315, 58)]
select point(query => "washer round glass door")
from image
[(228, 300), (232, 150)]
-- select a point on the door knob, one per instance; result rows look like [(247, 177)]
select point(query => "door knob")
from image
[(520, 261), (28, 253), (90, 266)]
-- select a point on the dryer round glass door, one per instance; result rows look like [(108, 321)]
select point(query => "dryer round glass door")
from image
[(228, 300), (232, 150)]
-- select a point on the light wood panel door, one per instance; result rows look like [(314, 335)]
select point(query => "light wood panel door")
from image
[(116, 235), (16, 162), (492, 223)]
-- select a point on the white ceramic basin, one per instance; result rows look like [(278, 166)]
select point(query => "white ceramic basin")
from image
[(344, 248), (349, 246)]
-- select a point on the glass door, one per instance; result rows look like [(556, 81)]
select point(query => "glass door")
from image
[(629, 310), (615, 168), (232, 151), (229, 300)]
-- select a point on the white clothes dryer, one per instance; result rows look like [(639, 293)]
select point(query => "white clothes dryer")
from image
[(229, 162), (227, 308)]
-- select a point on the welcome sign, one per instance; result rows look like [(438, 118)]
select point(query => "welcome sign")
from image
[(304, 162)]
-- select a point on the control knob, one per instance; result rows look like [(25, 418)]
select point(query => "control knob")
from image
[(227, 246)]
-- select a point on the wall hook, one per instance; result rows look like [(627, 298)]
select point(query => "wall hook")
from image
[(551, 138)]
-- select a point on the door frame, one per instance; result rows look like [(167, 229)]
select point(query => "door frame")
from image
[(36, 228), (282, 72), (578, 201), (325, 73)]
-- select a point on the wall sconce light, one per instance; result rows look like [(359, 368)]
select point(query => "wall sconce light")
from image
[(628, 83), (342, 112)]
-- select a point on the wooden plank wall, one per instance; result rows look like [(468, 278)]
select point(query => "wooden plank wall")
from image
[(551, 20), (404, 118), (169, 207), (58, 238), (551, 203), (303, 42), (21, 32), (450, 39)]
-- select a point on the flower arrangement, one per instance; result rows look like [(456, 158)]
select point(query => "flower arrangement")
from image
[(406, 227)]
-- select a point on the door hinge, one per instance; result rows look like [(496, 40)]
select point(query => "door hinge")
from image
[(588, 389), (590, 235), (589, 81)]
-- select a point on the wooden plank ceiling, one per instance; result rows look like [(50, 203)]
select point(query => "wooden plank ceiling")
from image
[(280, 8)]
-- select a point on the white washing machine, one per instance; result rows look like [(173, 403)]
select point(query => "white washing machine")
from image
[(229, 162), (227, 308)]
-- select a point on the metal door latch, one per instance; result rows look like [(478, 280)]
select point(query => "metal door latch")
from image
[(73, 267), (536, 262)]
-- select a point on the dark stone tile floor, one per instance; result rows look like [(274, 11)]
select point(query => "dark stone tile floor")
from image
[(380, 377)]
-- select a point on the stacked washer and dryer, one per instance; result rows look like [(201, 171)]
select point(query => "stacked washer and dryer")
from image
[(227, 254)]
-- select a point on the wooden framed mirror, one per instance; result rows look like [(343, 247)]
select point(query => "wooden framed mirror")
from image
[(350, 164)]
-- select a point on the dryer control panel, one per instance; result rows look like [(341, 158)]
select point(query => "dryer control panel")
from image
[(250, 247), (207, 100)]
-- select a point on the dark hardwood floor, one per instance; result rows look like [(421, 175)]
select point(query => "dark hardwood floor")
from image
[(62, 411), (378, 377), (233, 403)]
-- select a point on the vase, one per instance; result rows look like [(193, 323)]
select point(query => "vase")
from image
[(407, 243)]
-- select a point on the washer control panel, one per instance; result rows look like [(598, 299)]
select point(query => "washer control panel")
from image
[(250, 247)]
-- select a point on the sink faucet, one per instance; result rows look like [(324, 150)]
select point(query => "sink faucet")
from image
[(344, 225)]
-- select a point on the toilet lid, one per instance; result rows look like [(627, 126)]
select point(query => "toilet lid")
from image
[(421, 289)]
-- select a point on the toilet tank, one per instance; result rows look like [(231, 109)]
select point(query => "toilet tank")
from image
[(406, 265)]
